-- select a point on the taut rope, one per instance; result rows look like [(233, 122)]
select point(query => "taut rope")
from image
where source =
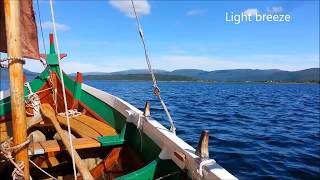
[(64, 91), (155, 85)]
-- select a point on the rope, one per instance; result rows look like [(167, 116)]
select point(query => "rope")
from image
[(155, 85), (63, 90), (6, 150), (71, 112), (202, 164), (39, 15), (140, 129), (169, 175), (42, 170), (34, 100)]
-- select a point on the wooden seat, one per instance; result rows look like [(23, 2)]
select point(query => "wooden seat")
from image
[(55, 146), (101, 128), (86, 126)]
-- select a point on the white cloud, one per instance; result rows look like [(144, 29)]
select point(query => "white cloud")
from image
[(125, 6), (72, 67), (59, 27), (260, 61), (34, 65), (194, 12), (274, 10), (251, 12)]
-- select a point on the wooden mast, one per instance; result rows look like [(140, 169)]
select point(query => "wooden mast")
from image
[(12, 20)]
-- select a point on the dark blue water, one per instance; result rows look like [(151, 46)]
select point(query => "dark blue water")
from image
[(258, 131)]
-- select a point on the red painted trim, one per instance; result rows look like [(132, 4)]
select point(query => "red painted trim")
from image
[(51, 38), (43, 56), (79, 78), (63, 56), (6, 117), (24, 78)]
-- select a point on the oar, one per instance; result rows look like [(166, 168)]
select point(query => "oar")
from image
[(48, 112)]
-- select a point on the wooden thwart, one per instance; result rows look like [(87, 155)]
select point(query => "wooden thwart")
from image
[(84, 126), (55, 146)]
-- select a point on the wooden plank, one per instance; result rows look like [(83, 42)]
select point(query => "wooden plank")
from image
[(83, 143), (50, 146), (3, 131), (82, 129), (102, 128), (54, 146)]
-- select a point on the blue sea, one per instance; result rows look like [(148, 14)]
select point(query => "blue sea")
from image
[(257, 130)]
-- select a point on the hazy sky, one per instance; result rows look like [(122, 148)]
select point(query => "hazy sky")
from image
[(102, 36)]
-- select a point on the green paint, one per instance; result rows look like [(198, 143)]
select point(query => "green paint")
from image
[(165, 167), (5, 106), (68, 83), (52, 59), (109, 114), (141, 143), (113, 140), (77, 91), (145, 173)]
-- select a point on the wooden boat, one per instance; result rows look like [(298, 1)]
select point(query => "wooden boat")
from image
[(114, 139)]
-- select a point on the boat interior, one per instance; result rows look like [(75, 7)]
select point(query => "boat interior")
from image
[(108, 145)]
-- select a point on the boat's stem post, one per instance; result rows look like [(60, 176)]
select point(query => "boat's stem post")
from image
[(202, 149), (12, 19)]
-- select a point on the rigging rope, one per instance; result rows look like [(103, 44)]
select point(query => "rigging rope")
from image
[(64, 91), (42, 170), (155, 85), (39, 15)]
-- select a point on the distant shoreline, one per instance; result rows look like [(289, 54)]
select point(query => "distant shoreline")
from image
[(200, 81)]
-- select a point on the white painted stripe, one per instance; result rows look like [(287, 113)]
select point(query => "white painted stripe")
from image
[(4, 94)]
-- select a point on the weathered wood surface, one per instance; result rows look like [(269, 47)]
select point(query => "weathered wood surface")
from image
[(55, 146), (12, 21)]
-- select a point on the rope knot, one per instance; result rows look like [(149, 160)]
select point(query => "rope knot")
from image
[(156, 90), (7, 150)]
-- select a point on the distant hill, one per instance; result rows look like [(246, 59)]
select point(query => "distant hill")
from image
[(138, 71), (189, 72), (240, 75), (4, 74), (233, 75), (139, 77)]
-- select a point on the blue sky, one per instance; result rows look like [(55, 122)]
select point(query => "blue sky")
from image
[(102, 36)]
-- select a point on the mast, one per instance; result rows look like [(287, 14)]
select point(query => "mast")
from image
[(12, 20)]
